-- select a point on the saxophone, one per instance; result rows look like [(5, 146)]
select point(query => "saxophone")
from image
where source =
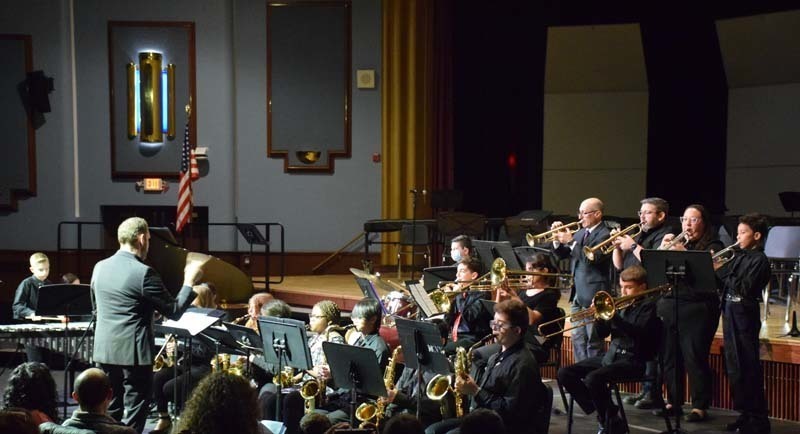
[(461, 367)]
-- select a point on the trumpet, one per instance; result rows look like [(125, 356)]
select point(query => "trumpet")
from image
[(725, 255), (242, 319), (607, 246), (682, 238), (550, 236), (604, 307)]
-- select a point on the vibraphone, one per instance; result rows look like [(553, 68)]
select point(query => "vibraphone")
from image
[(49, 335)]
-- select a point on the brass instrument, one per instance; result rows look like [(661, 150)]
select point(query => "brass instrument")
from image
[(604, 307), (222, 363), (242, 319), (441, 297), (607, 246), (725, 255), (285, 378), (550, 236), (500, 274), (369, 410), (682, 238), (309, 391), (161, 360)]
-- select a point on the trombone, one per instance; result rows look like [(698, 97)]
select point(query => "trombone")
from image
[(604, 307), (724, 256), (607, 246), (550, 236), (500, 274)]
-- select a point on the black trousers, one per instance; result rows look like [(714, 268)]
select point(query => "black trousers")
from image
[(587, 382), (698, 321), (132, 386), (741, 325), (165, 383)]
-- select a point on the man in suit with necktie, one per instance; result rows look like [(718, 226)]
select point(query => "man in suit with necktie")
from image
[(126, 292), (590, 276)]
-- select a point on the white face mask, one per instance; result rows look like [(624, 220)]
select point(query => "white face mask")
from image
[(455, 255)]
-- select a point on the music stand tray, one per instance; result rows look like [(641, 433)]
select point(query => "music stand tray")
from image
[(433, 275), (251, 234), (246, 337), (354, 368), (422, 343), (700, 277), (289, 334)]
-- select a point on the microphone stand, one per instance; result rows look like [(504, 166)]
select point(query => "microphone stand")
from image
[(414, 193)]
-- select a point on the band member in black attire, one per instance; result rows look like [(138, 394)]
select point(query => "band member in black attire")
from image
[(743, 278), (652, 216), (467, 318), (26, 300), (541, 299), (698, 314), (631, 347), (590, 276), (510, 384)]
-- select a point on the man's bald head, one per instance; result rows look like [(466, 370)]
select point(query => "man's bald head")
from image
[(590, 212), (92, 388)]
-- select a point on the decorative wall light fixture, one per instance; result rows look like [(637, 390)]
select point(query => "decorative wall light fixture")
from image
[(151, 99)]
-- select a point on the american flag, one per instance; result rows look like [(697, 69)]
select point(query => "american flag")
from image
[(189, 173)]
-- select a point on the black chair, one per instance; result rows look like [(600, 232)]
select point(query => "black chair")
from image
[(416, 237), (543, 413), (553, 345)]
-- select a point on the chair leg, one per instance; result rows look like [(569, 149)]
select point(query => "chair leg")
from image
[(622, 415), (399, 269), (563, 396), (569, 412)]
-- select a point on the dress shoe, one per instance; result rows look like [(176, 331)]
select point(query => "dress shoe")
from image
[(632, 399), (738, 423), (615, 425), (645, 403), (696, 416)]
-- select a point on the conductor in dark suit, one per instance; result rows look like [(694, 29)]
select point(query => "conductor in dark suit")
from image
[(126, 292), (590, 276)]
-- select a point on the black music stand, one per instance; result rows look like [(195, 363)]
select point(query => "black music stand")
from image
[(433, 275), (284, 342), (69, 300), (422, 349), (192, 323), (247, 339), (686, 271), (354, 368)]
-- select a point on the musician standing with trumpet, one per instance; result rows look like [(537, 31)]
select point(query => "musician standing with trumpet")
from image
[(126, 292), (591, 275), (631, 347), (627, 252), (700, 311), (743, 278)]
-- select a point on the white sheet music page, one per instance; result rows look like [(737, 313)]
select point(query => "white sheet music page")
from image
[(193, 322)]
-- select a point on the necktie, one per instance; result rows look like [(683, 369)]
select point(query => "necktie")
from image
[(585, 237)]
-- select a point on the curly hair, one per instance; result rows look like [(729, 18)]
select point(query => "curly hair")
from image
[(221, 403), (330, 311), (31, 387)]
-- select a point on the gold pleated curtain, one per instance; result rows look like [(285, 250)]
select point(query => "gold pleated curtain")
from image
[(407, 132)]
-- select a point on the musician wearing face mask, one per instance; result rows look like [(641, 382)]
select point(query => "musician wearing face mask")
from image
[(461, 248), (743, 278), (698, 312)]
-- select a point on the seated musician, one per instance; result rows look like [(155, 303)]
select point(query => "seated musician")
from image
[(743, 278), (511, 384), (541, 297), (403, 398), (254, 305), (632, 345), (165, 379), (461, 248), (467, 319)]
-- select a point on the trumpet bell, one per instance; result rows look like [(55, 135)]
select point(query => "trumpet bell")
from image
[(438, 387)]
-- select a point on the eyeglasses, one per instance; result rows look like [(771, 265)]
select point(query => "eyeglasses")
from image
[(641, 213), (692, 220), (585, 213), (498, 325), (316, 316)]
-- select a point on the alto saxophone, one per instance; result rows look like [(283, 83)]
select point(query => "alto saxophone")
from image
[(461, 368)]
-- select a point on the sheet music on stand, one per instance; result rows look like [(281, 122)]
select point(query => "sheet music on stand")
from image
[(192, 321), (422, 299)]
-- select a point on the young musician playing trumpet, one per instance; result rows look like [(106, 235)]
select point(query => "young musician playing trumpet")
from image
[(631, 346), (743, 278)]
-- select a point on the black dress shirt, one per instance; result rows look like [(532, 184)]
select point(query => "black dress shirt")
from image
[(26, 299), (647, 240), (512, 386), (632, 331), (745, 275)]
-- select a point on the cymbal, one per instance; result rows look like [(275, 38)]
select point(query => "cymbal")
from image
[(376, 279)]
